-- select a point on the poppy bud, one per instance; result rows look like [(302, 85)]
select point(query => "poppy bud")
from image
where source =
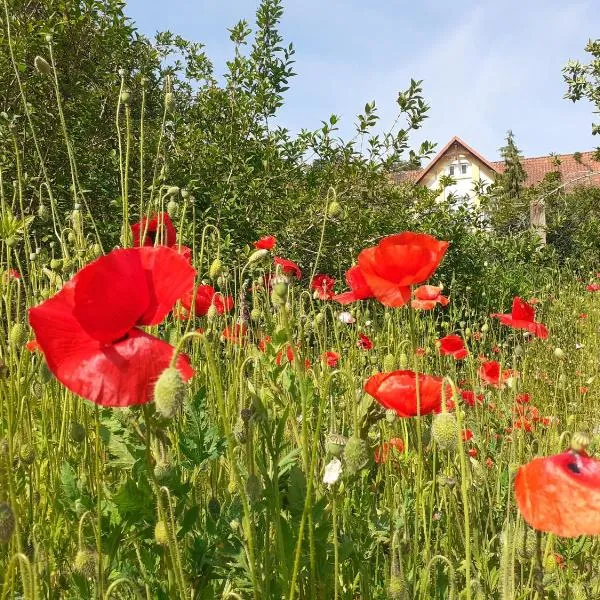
[(559, 353), (172, 208), (42, 211), (55, 264), (18, 335), (526, 549), (234, 524), (163, 470), (335, 444), (257, 255), (77, 433), (485, 327), (356, 455), (255, 314), (389, 363), (391, 415), (214, 507), (42, 66), (12, 241), (318, 319), (125, 96), (334, 209), (444, 430), (97, 249), (7, 522), (44, 372), (48, 38), (169, 101), (478, 471), (254, 488), (27, 454), (169, 392), (403, 361), (518, 351), (144, 81), (212, 312), (86, 563), (468, 332), (216, 268), (122, 72), (580, 441), (161, 534)]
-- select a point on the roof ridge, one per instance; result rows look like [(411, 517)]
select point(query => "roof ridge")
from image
[(549, 156)]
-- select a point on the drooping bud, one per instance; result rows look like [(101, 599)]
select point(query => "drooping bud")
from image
[(216, 268), (389, 363), (240, 431), (27, 454), (390, 415), (18, 335), (580, 441), (169, 393), (255, 314), (559, 353), (335, 444), (257, 255), (86, 563), (42, 66), (172, 208), (77, 433), (356, 455), (212, 312), (444, 430), (161, 533), (56, 264), (334, 209), (7, 522), (43, 211), (125, 96), (163, 471)]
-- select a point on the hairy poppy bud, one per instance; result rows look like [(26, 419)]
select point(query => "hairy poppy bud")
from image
[(216, 268), (172, 208), (356, 455), (48, 37), (389, 363), (255, 314), (161, 533), (44, 372), (334, 209), (485, 327), (97, 249), (559, 353), (42, 211), (86, 563), (7, 522), (390, 415), (18, 335), (257, 255), (55, 264), (77, 433), (254, 488), (580, 441), (122, 72), (212, 312), (125, 96), (27, 454), (169, 392), (444, 430), (163, 470), (335, 444), (42, 66)]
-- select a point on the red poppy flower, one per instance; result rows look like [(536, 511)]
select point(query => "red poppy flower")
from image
[(359, 289), (10, 274), (560, 494), (331, 358), (266, 243), (159, 229), (466, 435), (205, 297), (470, 397), (289, 267), (382, 452), (398, 262), (420, 352), (490, 373), (289, 353), (427, 296), (398, 390), (323, 286), (89, 331), (364, 342), (593, 287), (235, 334), (489, 463), (472, 452), (522, 317), (264, 342), (523, 398), (453, 345)]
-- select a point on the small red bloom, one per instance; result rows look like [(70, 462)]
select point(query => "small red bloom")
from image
[(523, 398), (32, 346), (453, 345), (584, 389), (263, 342), (205, 297), (427, 296), (89, 331), (359, 289), (323, 286), (223, 304), (11, 274), (159, 230), (472, 452), (420, 352), (364, 342), (522, 317), (583, 316), (476, 335), (593, 287), (489, 463), (288, 267), (560, 494), (490, 373), (496, 349), (235, 334), (331, 358), (469, 397), (266, 243), (398, 390), (466, 435), (382, 452), (398, 262)]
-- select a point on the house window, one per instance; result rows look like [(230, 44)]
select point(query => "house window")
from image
[(451, 171), (463, 169)]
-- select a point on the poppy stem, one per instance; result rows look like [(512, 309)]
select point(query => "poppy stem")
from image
[(539, 570)]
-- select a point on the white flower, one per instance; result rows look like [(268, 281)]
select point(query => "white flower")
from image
[(333, 471), (346, 317), (578, 346)]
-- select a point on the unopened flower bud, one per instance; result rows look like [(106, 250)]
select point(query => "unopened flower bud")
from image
[(334, 209), (43, 211), (212, 312), (390, 415), (335, 444), (257, 255), (48, 38), (255, 314), (125, 96), (444, 430), (173, 190), (42, 66), (169, 392), (216, 268), (559, 353), (161, 533), (356, 455), (18, 335), (580, 441), (86, 563), (169, 101), (254, 488), (485, 327), (77, 432), (172, 208)]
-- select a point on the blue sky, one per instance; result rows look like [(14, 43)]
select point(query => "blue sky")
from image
[(487, 66)]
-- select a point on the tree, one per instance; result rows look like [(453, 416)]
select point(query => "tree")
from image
[(514, 174)]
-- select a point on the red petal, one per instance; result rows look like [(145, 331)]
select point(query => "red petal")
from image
[(110, 294), (521, 311), (169, 276)]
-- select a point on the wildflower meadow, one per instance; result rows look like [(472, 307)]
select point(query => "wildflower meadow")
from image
[(229, 372)]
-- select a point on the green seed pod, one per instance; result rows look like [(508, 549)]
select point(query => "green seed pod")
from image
[(77, 433), (172, 208), (389, 363), (161, 533), (18, 335), (444, 430), (7, 522), (216, 268), (42, 66), (86, 563), (254, 488), (169, 393), (255, 314), (334, 209), (335, 444), (356, 455)]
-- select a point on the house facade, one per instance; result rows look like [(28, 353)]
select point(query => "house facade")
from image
[(470, 170)]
